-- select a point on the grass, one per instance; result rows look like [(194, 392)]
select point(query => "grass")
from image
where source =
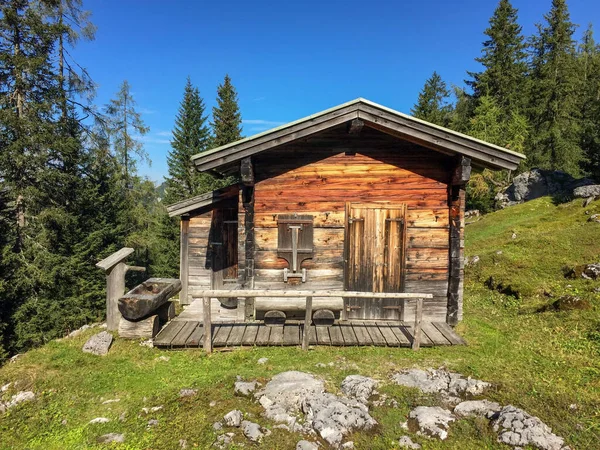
[(540, 361)]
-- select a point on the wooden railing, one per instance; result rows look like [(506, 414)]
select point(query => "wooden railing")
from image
[(308, 295)]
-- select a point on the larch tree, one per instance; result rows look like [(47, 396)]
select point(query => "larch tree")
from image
[(227, 118), (432, 104), (191, 135), (554, 109)]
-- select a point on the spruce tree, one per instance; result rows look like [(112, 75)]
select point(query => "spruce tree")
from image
[(227, 118), (554, 104), (504, 61), (191, 135), (432, 104)]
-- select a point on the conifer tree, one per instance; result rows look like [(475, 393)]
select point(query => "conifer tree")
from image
[(554, 104), (504, 61), (191, 135), (227, 118), (432, 104)]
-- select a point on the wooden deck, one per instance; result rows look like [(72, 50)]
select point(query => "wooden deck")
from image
[(182, 333)]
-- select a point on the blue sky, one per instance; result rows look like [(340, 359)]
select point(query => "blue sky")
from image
[(287, 59)]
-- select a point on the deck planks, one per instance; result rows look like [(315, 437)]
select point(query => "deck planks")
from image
[(189, 334)]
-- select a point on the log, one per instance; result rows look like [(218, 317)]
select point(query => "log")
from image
[(297, 304), (166, 312), (147, 297), (142, 329), (274, 318), (324, 317)]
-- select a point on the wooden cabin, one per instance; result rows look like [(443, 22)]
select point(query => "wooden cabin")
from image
[(358, 198)]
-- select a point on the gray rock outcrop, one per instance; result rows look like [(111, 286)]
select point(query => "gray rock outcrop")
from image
[(476, 408), (306, 445), (245, 388), (252, 431), (407, 442), (359, 387), (233, 418), (448, 384), (20, 397), (591, 190), (98, 344), (431, 421)]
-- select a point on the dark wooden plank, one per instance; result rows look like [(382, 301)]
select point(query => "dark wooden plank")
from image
[(291, 334), (195, 339), (164, 338), (449, 333), (312, 335), (236, 335), (221, 333), (336, 335), (425, 341), (186, 331), (375, 334), (263, 335), (388, 334), (250, 333), (276, 337), (323, 335), (362, 336), (348, 334), (402, 339), (432, 333)]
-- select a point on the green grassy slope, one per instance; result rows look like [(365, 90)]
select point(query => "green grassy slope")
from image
[(540, 361)]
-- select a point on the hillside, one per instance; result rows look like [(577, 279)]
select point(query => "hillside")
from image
[(539, 359)]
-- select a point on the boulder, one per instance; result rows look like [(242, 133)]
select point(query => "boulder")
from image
[(252, 431), (448, 384), (245, 388), (98, 344), (233, 418), (587, 191), (517, 428), (306, 445), (431, 421), (407, 442), (359, 387), (476, 408), (19, 397)]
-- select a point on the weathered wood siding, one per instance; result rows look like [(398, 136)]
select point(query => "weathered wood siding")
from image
[(320, 175), (199, 260)]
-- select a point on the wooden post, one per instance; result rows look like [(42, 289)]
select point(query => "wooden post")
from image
[(183, 260), (417, 329), (307, 321), (207, 324), (115, 270)]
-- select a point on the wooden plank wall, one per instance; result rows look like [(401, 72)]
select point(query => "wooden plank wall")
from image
[(318, 176), (199, 260)]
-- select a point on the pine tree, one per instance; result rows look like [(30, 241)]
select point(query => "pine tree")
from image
[(191, 135), (227, 119), (432, 104), (554, 104), (504, 61), (461, 114), (124, 122)]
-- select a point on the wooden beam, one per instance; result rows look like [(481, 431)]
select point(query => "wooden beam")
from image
[(457, 208), (417, 329), (110, 261), (307, 321), (207, 324), (462, 171), (225, 293), (184, 271), (248, 204), (247, 172), (115, 288), (355, 127), (202, 201)]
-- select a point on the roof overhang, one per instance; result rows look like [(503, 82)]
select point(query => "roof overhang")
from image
[(202, 202), (379, 117)]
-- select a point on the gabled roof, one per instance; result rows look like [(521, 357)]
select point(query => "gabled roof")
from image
[(373, 115), (202, 201)]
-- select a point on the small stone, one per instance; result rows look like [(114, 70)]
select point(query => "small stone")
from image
[(78, 331), (153, 409), (514, 235), (320, 365), (212, 404), (99, 420), (183, 443), (407, 442), (499, 252), (98, 344), (224, 440), (13, 359), (114, 400), (594, 218), (348, 445), (252, 431), (217, 426), (149, 343), (20, 397), (245, 388), (63, 422), (573, 407), (163, 358), (263, 360), (233, 418), (5, 387), (587, 201), (111, 437), (188, 392), (306, 445), (152, 423), (122, 417)]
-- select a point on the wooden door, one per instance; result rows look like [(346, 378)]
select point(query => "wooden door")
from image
[(375, 242), (223, 242)]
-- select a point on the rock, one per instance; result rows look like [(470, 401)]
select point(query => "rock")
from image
[(245, 388), (570, 303), (348, 445), (590, 190), (224, 440), (99, 420), (113, 400), (431, 421), (152, 423), (592, 271), (334, 417), (183, 443), (5, 387), (594, 218), (476, 408), (320, 365), (406, 442), (19, 397), (78, 331), (587, 201), (212, 404), (187, 392), (263, 360), (472, 213), (306, 445), (359, 387), (252, 431), (472, 260), (163, 358), (289, 389), (111, 437), (153, 409), (517, 428), (217, 426), (440, 381), (98, 344), (498, 252), (148, 343), (233, 418), (13, 359), (514, 236)]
